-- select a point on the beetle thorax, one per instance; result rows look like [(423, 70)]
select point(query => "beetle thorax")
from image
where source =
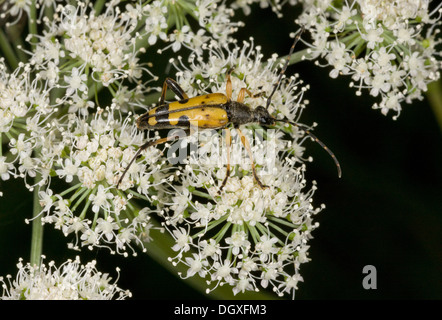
[(239, 113)]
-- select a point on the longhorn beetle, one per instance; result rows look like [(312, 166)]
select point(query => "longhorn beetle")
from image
[(215, 111)]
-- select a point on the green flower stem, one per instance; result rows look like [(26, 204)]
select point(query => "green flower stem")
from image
[(284, 222), (33, 20), (86, 206), (80, 200), (296, 57), (74, 187), (7, 51), (434, 95), (37, 228), (254, 233), (93, 92), (78, 192), (202, 194), (222, 232), (235, 228), (48, 12), (211, 225), (96, 215), (98, 6), (299, 56), (15, 36), (276, 227), (134, 193)]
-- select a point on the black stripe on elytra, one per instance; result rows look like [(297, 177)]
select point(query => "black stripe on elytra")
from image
[(184, 101), (162, 112), (183, 121)]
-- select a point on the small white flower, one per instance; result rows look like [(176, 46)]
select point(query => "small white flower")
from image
[(69, 170), (269, 274), (180, 202), (196, 265), (224, 271), (5, 168), (242, 286), (182, 239), (81, 105), (373, 36), (290, 284), (106, 227), (238, 241), (266, 247), (383, 58), (46, 200), (21, 147), (210, 249), (100, 199), (76, 82)]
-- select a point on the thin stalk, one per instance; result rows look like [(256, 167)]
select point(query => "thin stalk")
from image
[(98, 6), (136, 194), (33, 20), (210, 226), (7, 51), (202, 194), (37, 229), (299, 56), (70, 189)]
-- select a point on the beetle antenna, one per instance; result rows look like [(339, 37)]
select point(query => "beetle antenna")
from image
[(311, 135), (129, 165), (281, 73)]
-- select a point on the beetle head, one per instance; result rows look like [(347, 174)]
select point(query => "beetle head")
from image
[(262, 116)]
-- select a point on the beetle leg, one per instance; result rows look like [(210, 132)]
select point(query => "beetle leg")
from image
[(175, 87), (242, 95), (229, 84), (150, 144), (228, 144), (242, 92), (246, 144)]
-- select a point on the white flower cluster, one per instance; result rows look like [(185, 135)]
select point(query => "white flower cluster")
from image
[(46, 117), (389, 48), (244, 236), (54, 126), (69, 281)]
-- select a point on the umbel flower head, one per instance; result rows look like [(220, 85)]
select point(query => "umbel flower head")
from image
[(388, 48), (245, 236), (55, 129), (56, 126), (70, 281)]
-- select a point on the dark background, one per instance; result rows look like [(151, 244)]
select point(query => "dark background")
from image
[(384, 211)]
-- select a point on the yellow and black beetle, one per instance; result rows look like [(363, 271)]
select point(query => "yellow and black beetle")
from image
[(214, 111)]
